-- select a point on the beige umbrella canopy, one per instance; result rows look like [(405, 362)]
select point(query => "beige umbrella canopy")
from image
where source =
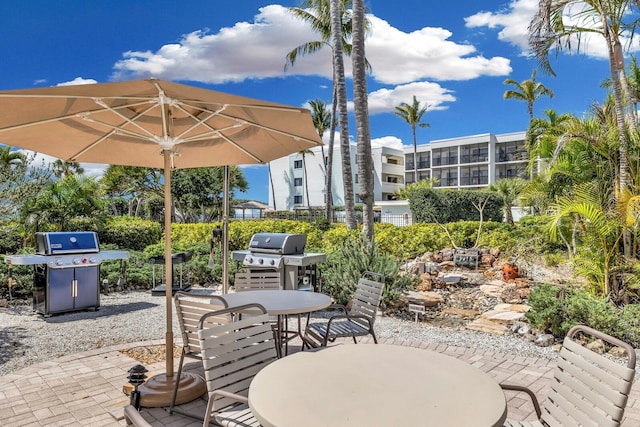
[(153, 123)]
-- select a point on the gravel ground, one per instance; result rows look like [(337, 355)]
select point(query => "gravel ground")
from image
[(27, 338)]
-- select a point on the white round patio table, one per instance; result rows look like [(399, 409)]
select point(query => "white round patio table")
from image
[(369, 385), (282, 303)]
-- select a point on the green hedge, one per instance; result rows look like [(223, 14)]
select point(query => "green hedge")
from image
[(130, 233), (445, 206)]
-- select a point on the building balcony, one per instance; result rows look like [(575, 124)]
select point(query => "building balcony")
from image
[(391, 169), (390, 187)]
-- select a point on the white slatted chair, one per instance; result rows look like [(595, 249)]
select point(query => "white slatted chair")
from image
[(358, 321), (587, 388), (257, 280), (189, 310), (232, 354)]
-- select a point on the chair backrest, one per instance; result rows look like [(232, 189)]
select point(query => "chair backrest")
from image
[(257, 280), (189, 309), (233, 353), (588, 389), (367, 297)]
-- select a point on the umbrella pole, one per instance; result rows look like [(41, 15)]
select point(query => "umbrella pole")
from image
[(168, 263), (158, 390), (225, 232)]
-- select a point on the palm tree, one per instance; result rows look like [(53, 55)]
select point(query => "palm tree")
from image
[(334, 32), (412, 114), (304, 153), (62, 168), (9, 158), (509, 189), (543, 135), (550, 30), (361, 107), (528, 91), (321, 117), (343, 119)]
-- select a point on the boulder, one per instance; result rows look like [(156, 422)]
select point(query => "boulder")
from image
[(428, 299)]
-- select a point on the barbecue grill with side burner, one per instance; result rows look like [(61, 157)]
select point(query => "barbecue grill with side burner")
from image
[(283, 253), (66, 271)]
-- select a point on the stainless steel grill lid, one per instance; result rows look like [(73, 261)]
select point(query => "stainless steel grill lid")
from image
[(72, 242), (278, 243)]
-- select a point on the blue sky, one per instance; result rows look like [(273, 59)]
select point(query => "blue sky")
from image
[(452, 56)]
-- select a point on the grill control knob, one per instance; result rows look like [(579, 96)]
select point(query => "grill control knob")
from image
[(93, 260), (59, 262), (250, 260), (76, 261), (272, 262), (260, 261)]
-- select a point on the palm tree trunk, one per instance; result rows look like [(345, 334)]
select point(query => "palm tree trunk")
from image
[(415, 154), (329, 167), (273, 190), (343, 119), (306, 182), (365, 167)]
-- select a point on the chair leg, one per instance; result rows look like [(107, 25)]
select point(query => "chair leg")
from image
[(373, 334), (177, 384)]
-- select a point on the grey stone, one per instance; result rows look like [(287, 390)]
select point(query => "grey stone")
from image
[(544, 340)]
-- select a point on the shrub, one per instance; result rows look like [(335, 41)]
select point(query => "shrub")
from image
[(130, 233), (555, 309), (343, 268), (445, 206)]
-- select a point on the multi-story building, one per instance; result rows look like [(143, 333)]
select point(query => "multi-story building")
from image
[(470, 162), (288, 177), (475, 161)]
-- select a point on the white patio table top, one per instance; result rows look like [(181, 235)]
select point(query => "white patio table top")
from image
[(375, 385), (281, 302)]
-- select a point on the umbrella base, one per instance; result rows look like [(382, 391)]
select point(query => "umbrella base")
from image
[(161, 289), (157, 391)]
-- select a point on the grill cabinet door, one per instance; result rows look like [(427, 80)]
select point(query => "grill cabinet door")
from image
[(87, 289), (60, 291)]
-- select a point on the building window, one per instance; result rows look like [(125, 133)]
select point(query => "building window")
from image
[(297, 200), (297, 164), (356, 178), (297, 182)]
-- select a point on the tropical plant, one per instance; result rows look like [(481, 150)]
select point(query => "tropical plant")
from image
[(57, 204), (558, 24), (509, 189), (412, 114), (406, 192), (528, 91), (62, 168), (10, 157)]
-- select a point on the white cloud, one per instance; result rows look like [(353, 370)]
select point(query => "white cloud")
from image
[(432, 94), (387, 141), (78, 81), (514, 22), (256, 50)]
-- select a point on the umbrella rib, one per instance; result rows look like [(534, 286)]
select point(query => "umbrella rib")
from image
[(132, 121), (274, 130)]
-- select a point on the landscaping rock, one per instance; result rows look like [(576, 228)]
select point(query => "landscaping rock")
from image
[(544, 340)]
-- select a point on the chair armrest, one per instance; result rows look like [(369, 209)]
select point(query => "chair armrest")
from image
[(336, 307), (229, 395), (533, 397), (133, 417)]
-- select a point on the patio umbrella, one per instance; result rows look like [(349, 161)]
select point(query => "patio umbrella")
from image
[(157, 124)]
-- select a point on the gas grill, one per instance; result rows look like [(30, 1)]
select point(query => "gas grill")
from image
[(66, 271), (285, 254)]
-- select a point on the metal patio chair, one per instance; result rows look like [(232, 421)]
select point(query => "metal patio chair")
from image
[(587, 389), (189, 310), (355, 322), (257, 280), (232, 354)]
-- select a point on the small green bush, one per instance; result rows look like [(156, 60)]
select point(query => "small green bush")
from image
[(343, 268), (555, 309)]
